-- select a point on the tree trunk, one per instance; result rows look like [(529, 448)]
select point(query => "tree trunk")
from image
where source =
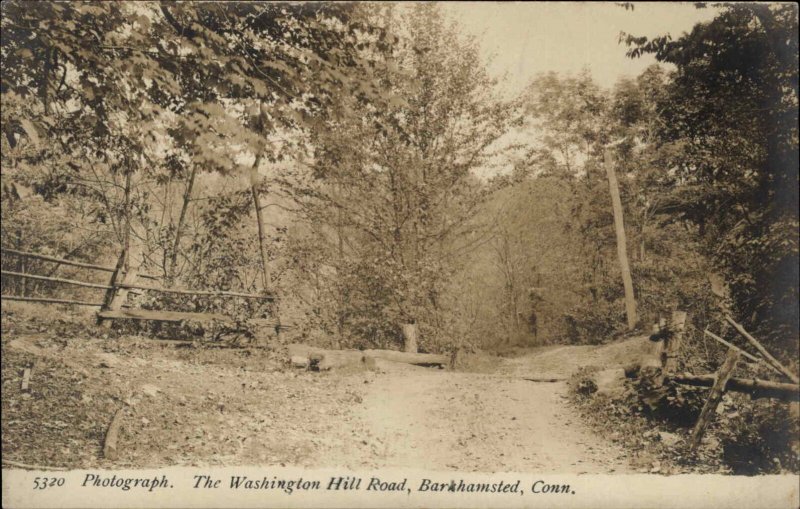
[(126, 220), (262, 238), (409, 337), (187, 196), (44, 88), (622, 250), (340, 312)]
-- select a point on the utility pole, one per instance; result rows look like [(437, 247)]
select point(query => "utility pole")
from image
[(255, 181), (622, 251)]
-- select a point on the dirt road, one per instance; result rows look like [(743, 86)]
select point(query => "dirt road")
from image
[(243, 407), (442, 420)]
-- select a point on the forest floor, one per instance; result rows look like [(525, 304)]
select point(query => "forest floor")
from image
[(202, 405)]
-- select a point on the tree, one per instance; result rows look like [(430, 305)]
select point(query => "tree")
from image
[(395, 184), (133, 102), (574, 121), (729, 132), (562, 114)]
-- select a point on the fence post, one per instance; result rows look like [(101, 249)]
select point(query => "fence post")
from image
[(673, 341), (714, 397), (116, 296), (111, 293)]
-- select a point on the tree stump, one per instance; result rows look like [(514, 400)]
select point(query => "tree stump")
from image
[(410, 337)]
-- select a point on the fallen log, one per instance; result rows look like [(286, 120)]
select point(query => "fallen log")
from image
[(336, 359), (319, 356), (756, 388), (110, 451), (417, 359)]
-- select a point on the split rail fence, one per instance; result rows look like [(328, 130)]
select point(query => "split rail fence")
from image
[(122, 281), (721, 381)]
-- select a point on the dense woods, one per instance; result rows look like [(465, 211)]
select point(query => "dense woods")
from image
[(329, 151), (358, 162), (352, 176)]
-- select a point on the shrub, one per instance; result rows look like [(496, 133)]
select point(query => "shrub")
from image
[(761, 437)]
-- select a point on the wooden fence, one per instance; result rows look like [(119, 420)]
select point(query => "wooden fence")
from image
[(721, 381), (122, 281)]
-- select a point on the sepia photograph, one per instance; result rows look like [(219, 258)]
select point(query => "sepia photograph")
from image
[(400, 254)]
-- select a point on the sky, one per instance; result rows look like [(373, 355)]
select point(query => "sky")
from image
[(519, 40), (535, 37)]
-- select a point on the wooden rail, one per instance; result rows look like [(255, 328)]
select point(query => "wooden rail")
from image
[(161, 316), (73, 263), (262, 322), (51, 301), (744, 354), (55, 279), (59, 260), (763, 351), (193, 292)]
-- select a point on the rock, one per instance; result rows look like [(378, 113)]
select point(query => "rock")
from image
[(298, 361), (107, 360), (610, 382), (669, 439), (150, 390)]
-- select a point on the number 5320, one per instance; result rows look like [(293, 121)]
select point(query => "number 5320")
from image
[(42, 483)]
